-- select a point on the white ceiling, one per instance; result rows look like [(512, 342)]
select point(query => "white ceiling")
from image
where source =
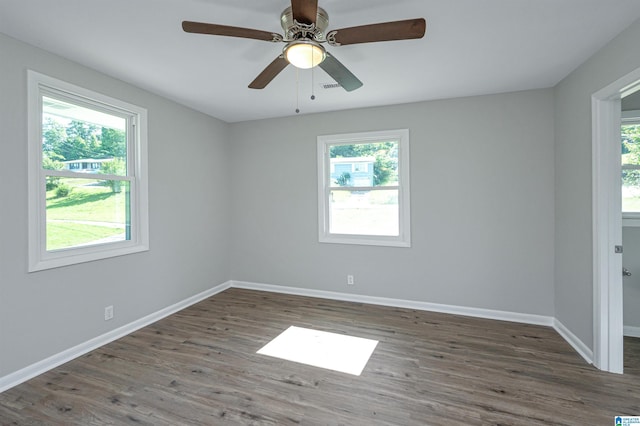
[(471, 47)]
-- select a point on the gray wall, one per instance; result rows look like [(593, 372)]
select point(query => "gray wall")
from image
[(574, 283), (481, 204), (46, 312)]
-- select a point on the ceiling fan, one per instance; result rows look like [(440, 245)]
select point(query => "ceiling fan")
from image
[(304, 25)]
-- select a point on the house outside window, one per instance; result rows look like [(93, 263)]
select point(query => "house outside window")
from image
[(363, 188), (358, 169), (87, 175)]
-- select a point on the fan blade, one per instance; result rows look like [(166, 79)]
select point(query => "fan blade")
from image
[(225, 30), (340, 73), (387, 31), (269, 73), (304, 11)]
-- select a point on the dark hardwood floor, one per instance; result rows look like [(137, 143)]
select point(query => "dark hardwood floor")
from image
[(200, 367)]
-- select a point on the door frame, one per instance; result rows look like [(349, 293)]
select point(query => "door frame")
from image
[(607, 222)]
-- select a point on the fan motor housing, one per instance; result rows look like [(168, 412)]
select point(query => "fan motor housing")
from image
[(294, 30)]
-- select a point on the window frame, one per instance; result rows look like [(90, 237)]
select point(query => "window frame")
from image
[(630, 218), (39, 85), (403, 187)]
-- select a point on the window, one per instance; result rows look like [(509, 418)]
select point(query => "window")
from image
[(87, 175), (360, 167), (363, 188), (630, 138)]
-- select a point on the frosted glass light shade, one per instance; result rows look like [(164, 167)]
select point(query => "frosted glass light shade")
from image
[(304, 53)]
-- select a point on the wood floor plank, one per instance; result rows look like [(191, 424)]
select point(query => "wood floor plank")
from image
[(200, 366)]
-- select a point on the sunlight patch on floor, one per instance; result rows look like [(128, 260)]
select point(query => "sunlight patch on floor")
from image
[(333, 351)]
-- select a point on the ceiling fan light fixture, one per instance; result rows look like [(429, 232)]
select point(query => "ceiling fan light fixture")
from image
[(304, 53)]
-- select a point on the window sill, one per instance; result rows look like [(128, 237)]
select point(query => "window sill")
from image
[(67, 257), (630, 221), (365, 240)]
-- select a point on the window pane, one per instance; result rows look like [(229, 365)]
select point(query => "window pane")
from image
[(630, 144), (82, 139), (364, 164), (364, 212), (631, 191), (86, 211)]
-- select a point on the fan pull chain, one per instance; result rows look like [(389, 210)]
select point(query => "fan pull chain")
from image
[(313, 96), (297, 92)]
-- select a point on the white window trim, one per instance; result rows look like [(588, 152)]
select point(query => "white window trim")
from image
[(39, 257), (324, 173), (631, 117), (630, 219)]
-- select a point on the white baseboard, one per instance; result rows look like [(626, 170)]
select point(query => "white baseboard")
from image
[(631, 331), (53, 361), (400, 303), (563, 331), (577, 344)]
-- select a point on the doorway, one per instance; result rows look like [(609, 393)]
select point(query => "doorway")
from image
[(608, 350), (630, 132)]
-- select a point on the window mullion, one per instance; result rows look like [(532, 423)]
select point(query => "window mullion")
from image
[(363, 188), (75, 175), (631, 167)]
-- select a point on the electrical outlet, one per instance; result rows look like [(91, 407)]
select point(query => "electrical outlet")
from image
[(350, 280), (108, 313)]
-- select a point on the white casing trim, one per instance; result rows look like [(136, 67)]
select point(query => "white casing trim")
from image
[(607, 222)]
